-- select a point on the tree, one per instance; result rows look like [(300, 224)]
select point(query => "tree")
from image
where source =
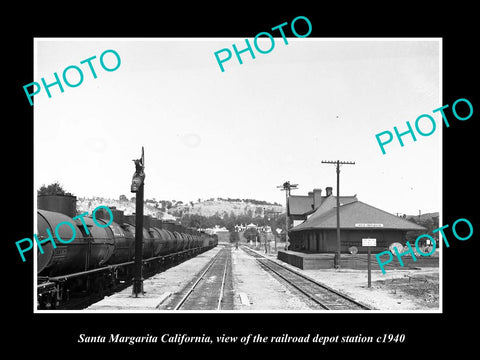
[(250, 234), (260, 221), (53, 189), (280, 222), (234, 237), (431, 223), (230, 221)]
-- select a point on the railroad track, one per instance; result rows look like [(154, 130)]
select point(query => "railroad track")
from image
[(77, 300), (322, 295), (208, 290)]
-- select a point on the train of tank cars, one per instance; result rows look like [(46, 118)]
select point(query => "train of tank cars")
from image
[(102, 260)]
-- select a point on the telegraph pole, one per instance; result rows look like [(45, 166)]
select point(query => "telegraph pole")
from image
[(137, 187), (286, 186), (336, 260)]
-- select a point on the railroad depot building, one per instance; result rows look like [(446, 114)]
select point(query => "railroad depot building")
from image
[(315, 224)]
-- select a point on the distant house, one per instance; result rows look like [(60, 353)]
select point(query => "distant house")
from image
[(317, 231)]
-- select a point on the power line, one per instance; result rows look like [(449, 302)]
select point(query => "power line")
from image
[(338, 163)]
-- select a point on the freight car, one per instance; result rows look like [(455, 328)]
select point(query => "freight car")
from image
[(102, 259)]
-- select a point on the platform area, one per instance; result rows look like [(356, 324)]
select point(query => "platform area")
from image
[(315, 261), (157, 288)]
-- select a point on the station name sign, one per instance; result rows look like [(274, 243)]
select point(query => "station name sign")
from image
[(368, 225)]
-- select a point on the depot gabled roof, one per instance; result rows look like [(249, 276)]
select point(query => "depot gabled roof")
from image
[(303, 204), (299, 204), (355, 215)]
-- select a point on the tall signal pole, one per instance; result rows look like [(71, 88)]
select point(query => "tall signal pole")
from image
[(137, 187), (336, 260), (286, 186)]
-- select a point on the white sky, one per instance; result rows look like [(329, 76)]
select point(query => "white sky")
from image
[(242, 132)]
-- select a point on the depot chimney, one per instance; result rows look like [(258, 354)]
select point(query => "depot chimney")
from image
[(329, 190), (317, 198)]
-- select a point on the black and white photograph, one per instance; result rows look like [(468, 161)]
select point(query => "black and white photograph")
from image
[(238, 171), (289, 179)]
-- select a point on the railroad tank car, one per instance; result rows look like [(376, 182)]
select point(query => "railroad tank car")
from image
[(148, 240), (190, 240), (104, 241), (196, 240), (165, 241), (179, 241), (107, 245), (82, 253), (100, 255), (186, 240), (124, 244)]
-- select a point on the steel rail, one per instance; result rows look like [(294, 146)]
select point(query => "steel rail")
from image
[(190, 291), (220, 299), (291, 283), (263, 261), (47, 283)]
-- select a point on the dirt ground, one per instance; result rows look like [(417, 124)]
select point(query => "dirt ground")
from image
[(396, 290), (256, 290)]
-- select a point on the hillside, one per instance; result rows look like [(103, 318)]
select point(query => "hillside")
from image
[(225, 207), (429, 220), (424, 217), (169, 210), (89, 204)]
